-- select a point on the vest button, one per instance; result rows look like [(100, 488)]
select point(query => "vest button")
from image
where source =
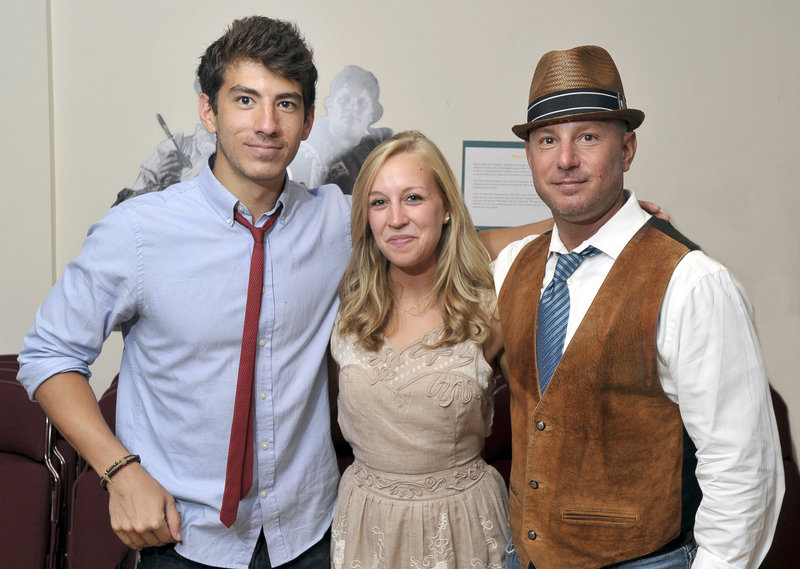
[(533, 484), (531, 535), (540, 425)]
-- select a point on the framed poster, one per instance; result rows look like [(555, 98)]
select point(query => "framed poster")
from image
[(497, 185)]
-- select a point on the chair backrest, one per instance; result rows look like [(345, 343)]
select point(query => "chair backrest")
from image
[(9, 359), (90, 540), (783, 553), (31, 483), (497, 447), (23, 424)]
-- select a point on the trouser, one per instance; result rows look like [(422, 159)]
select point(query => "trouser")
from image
[(316, 557), (679, 558)]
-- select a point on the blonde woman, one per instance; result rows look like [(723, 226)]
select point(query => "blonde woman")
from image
[(415, 341)]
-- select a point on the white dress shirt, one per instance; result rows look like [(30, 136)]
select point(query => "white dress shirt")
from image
[(709, 362)]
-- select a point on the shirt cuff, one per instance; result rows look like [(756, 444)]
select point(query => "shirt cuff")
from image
[(707, 560)]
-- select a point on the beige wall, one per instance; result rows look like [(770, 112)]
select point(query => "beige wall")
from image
[(26, 223), (719, 82)]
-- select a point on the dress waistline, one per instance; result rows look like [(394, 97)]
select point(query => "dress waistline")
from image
[(418, 486)]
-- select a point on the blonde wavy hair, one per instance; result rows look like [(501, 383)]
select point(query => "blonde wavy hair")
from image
[(463, 277)]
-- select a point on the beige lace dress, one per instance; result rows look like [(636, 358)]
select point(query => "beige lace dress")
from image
[(418, 494)]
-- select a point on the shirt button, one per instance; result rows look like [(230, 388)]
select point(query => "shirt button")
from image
[(262, 342), (229, 220), (263, 493), (533, 484), (265, 445), (531, 535), (263, 395), (540, 425)]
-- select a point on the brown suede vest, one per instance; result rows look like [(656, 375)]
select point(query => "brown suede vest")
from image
[(597, 464)]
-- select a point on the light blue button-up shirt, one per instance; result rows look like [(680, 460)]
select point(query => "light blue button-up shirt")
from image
[(171, 269)]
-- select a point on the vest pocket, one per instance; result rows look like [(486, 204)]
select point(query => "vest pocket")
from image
[(613, 518)]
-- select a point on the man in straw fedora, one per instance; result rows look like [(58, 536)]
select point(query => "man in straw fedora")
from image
[(643, 432)]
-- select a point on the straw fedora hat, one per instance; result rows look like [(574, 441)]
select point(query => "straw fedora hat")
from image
[(581, 83)]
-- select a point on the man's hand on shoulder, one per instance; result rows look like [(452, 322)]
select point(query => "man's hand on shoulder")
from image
[(143, 513), (495, 240), (653, 209)]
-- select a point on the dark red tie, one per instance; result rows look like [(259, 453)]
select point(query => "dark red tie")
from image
[(239, 474)]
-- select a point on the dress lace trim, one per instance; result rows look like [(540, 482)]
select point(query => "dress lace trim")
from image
[(412, 487)]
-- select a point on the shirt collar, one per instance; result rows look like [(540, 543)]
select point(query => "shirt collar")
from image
[(615, 233), (224, 203)]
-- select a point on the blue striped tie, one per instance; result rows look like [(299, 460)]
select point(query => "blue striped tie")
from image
[(554, 313)]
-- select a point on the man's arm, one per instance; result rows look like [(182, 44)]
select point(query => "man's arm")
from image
[(710, 362), (496, 239), (97, 292), (142, 513)]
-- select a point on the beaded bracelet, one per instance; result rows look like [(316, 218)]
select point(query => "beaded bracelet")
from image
[(116, 467)]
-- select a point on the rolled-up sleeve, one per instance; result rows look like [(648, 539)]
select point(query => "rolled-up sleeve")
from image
[(97, 292)]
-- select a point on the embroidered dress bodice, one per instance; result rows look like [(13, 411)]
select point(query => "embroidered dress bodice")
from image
[(418, 493)]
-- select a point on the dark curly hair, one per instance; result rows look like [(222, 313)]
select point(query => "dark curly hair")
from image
[(276, 44)]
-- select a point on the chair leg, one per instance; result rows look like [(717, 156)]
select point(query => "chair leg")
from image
[(57, 466)]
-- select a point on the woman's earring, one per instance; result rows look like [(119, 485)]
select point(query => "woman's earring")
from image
[(447, 219)]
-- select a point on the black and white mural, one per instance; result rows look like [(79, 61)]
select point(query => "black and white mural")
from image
[(337, 146)]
